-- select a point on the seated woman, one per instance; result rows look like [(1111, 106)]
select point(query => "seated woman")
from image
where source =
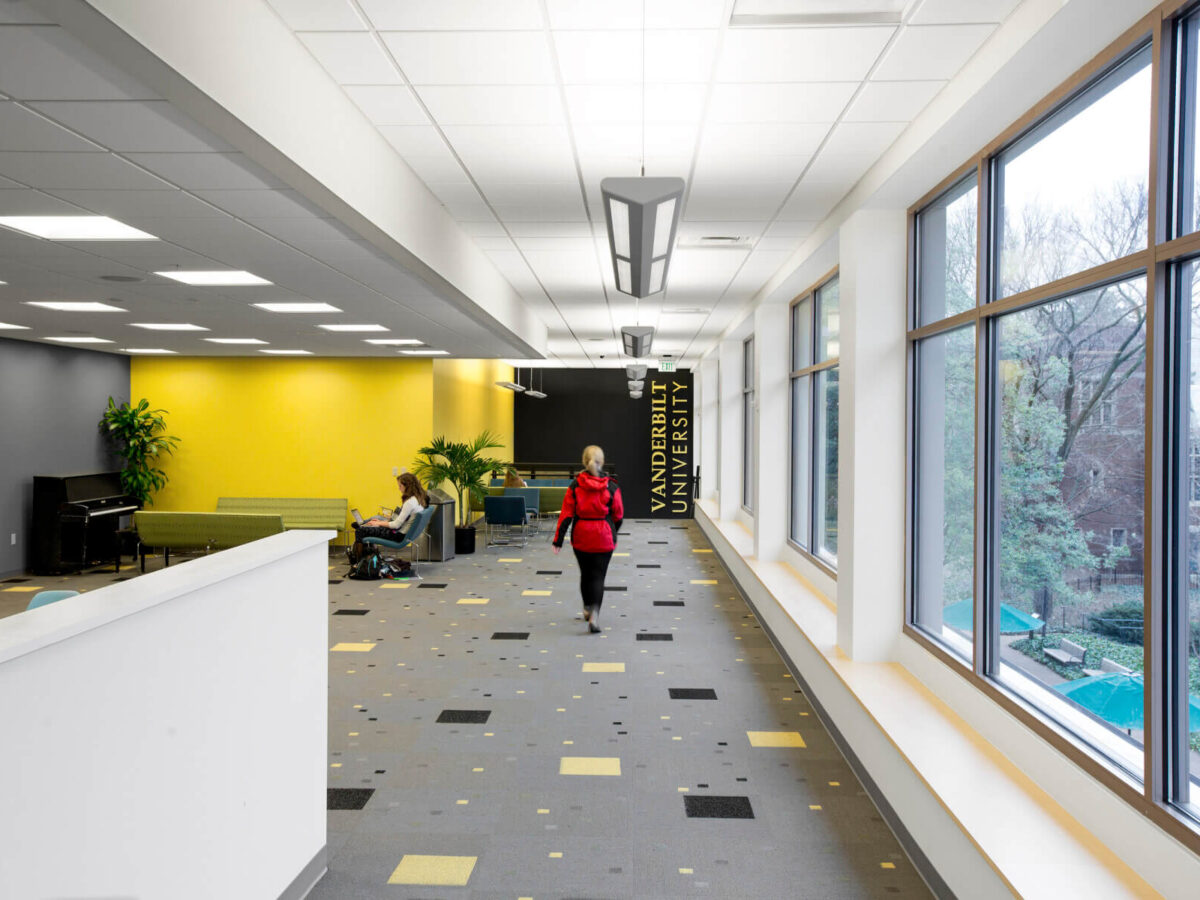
[(414, 501), (512, 479)]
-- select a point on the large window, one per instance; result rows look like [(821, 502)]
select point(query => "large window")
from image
[(1054, 461), (748, 424), (815, 338)]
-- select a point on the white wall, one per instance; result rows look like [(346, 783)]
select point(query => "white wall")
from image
[(166, 736)]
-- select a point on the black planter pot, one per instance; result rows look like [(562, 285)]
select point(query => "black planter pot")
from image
[(464, 539)]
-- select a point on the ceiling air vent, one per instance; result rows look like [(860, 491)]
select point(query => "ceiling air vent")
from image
[(718, 242)]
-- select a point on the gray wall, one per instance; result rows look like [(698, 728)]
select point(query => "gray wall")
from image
[(51, 399)]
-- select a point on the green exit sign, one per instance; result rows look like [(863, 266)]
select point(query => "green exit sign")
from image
[(666, 365)]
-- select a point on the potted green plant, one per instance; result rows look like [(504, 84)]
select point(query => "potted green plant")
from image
[(465, 467), (137, 433)]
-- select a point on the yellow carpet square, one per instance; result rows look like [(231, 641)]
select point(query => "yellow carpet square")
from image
[(775, 739), (352, 648), (590, 765), (22, 589), (509, 559), (396, 584), (474, 601), (702, 551), (536, 593), (704, 581), (434, 870), (620, 554), (604, 667)]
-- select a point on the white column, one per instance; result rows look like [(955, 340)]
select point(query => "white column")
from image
[(730, 433), (871, 434), (708, 399), (771, 351)]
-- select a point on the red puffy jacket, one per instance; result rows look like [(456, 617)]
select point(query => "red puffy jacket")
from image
[(597, 512)]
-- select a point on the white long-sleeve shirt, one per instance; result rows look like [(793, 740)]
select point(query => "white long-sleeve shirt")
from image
[(405, 514)]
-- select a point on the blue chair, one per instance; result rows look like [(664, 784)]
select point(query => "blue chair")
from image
[(44, 598), (504, 513), (414, 533), (532, 497)]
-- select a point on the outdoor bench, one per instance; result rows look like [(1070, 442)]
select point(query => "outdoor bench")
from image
[(1068, 653)]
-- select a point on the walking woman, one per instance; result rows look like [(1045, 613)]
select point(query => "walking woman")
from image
[(593, 509)]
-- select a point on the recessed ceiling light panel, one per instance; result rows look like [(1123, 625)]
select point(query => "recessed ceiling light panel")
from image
[(7, 327), (75, 305), (146, 351), (235, 341), (214, 278), (394, 342), (287, 352), (168, 326), (297, 307), (425, 352), (75, 228), (353, 327), (80, 340)]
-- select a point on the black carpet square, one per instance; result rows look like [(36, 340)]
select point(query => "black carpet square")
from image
[(692, 693), (347, 798), (649, 566), (718, 807), (14, 580), (511, 636), (668, 603), (351, 612), (656, 637), (335, 581), (549, 571), (464, 716), (679, 528), (655, 542), (434, 586), (616, 587)]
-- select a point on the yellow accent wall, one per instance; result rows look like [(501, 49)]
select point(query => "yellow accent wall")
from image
[(466, 401), (289, 427)]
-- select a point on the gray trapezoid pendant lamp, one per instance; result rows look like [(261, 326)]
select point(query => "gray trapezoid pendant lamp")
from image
[(642, 215)]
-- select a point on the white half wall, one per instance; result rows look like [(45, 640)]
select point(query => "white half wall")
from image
[(166, 736)]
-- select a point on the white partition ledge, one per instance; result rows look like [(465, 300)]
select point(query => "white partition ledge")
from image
[(979, 821), (166, 736)]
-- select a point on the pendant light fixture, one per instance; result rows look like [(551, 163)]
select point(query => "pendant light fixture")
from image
[(514, 386), (642, 215), (530, 392)]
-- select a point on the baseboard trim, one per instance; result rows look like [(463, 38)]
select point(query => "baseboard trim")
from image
[(313, 872)]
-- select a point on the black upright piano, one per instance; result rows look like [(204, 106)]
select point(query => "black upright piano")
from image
[(75, 520)]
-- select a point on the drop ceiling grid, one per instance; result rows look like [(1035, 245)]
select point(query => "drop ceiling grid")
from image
[(794, 118), (222, 212)]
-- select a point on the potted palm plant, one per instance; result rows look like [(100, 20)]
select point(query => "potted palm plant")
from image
[(137, 433), (465, 467)]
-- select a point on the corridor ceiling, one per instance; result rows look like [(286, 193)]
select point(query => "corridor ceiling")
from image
[(510, 112)]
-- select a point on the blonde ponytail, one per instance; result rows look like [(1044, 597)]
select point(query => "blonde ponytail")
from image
[(592, 460)]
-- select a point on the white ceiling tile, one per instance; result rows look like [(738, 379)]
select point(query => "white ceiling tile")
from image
[(500, 242), (588, 14), (414, 140), (309, 228), (138, 206), (704, 268), (453, 15), (388, 104), (569, 244), (800, 54), (207, 171), (467, 206), (493, 104), (666, 104), (538, 208), (490, 229), (18, 12), (892, 101), (351, 57), (763, 139), (931, 52), (797, 102), (812, 201), (790, 229), (742, 200), (777, 243), (153, 126), (440, 169), (39, 63), (261, 204), (550, 229), (618, 57), (725, 167), (943, 12), (76, 170), (627, 141), (852, 148), (473, 57), (523, 153), (23, 129), (517, 193), (35, 203), (319, 15)]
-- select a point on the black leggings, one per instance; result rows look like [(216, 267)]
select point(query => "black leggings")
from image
[(592, 569), (378, 531)]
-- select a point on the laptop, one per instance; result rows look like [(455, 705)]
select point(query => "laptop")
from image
[(357, 516)]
